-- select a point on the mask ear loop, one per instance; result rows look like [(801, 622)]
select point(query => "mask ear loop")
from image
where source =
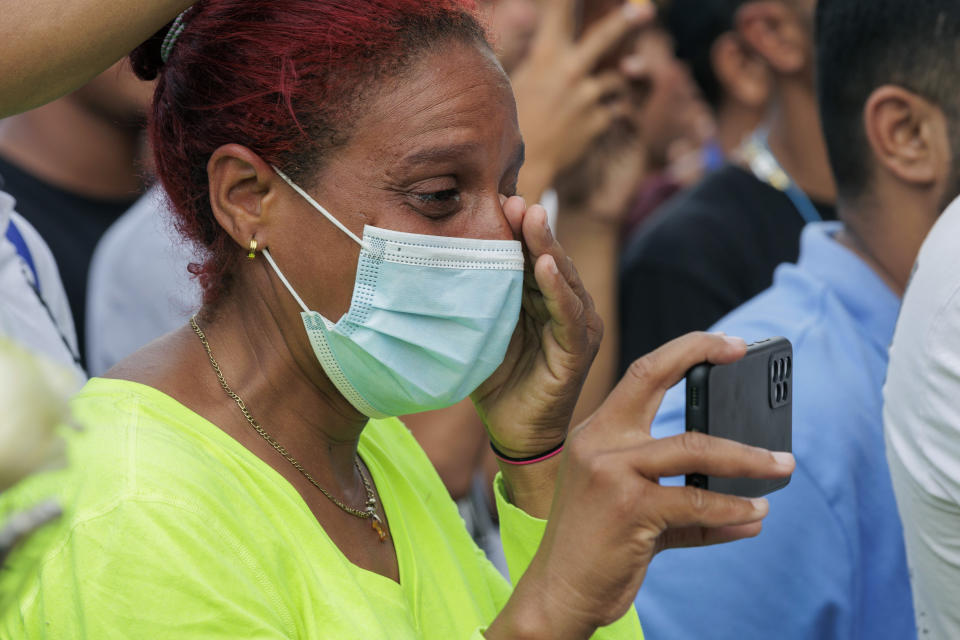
[(283, 279), (316, 205)]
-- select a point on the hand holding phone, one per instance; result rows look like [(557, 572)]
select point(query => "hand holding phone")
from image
[(749, 401)]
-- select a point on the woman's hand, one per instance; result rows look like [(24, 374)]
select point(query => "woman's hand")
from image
[(527, 403), (610, 516)]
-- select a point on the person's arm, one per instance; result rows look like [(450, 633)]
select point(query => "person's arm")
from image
[(931, 531), (922, 431), (51, 47), (522, 535)]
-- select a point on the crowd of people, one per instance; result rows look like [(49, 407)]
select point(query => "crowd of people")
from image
[(379, 312)]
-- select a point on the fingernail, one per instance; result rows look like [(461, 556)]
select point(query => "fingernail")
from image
[(760, 504), (522, 202), (783, 458), (719, 333), (735, 341), (552, 267)]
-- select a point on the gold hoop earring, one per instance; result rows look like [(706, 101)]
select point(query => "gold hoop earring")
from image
[(253, 249)]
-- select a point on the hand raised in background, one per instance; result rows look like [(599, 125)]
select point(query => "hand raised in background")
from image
[(564, 102)]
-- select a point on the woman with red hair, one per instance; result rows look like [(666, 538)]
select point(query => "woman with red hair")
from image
[(348, 169)]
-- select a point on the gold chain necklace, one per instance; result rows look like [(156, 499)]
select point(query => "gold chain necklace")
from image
[(367, 513)]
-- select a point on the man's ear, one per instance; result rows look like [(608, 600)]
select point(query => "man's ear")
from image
[(240, 189), (908, 136), (743, 76), (776, 33)]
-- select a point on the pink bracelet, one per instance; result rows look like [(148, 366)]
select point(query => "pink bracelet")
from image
[(540, 457)]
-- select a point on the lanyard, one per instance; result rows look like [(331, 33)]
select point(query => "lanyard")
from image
[(761, 161)]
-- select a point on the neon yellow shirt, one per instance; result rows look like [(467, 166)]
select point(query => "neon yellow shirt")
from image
[(173, 529)]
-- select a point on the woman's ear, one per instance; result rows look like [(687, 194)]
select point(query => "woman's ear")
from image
[(240, 185), (907, 136)]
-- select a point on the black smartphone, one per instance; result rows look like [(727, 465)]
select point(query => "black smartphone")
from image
[(750, 401)]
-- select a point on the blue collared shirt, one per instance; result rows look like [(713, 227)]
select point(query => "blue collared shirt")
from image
[(830, 562)]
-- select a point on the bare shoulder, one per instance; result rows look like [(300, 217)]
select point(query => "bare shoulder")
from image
[(171, 364)]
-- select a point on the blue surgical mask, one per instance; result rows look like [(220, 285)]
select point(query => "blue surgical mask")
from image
[(431, 318)]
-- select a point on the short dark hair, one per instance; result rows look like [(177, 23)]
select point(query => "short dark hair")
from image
[(695, 26), (865, 44)]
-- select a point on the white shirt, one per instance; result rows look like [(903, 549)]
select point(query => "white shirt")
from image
[(138, 287), (922, 427), (34, 311)]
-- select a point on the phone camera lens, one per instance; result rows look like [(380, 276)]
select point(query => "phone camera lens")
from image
[(783, 370), (779, 392), (776, 370), (786, 388), (789, 366)]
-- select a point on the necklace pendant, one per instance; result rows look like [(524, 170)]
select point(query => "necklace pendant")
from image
[(377, 526)]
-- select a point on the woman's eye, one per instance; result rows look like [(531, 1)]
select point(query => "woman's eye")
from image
[(437, 203), (446, 195)]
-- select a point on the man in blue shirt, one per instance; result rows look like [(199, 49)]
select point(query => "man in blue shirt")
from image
[(830, 562)]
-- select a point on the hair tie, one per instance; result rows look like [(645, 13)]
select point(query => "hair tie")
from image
[(171, 38)]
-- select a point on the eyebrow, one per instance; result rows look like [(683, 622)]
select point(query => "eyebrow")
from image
[(455, 151), (440, 154)]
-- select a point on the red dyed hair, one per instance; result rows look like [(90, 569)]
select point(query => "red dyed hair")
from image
[(281, 77)]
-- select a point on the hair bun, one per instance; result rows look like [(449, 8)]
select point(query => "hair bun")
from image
[(146, 59)]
